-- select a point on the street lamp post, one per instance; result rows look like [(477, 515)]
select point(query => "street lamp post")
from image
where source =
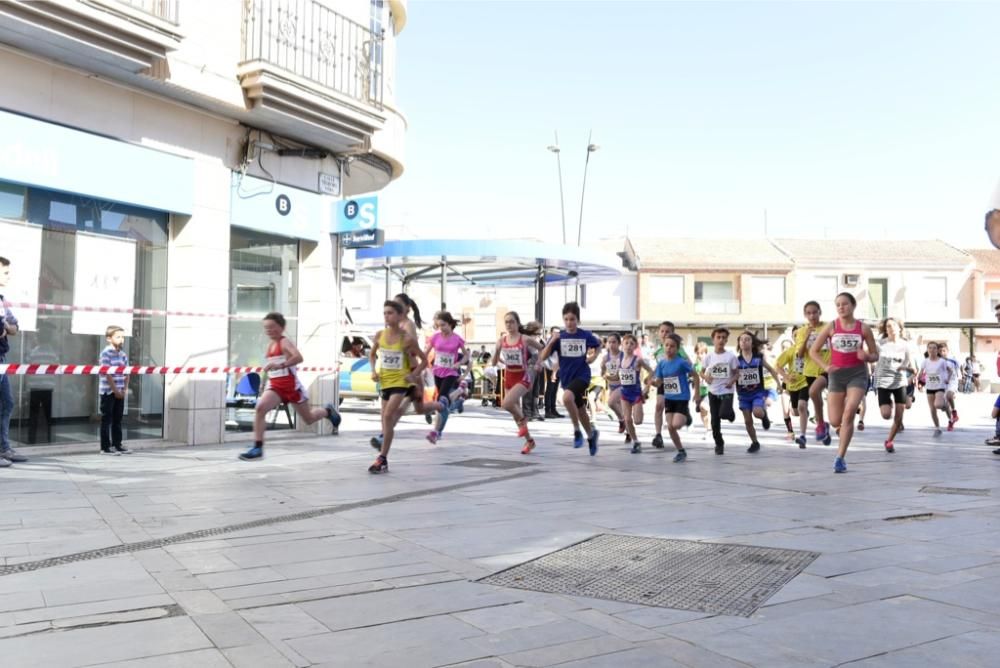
[(554, 148), (591, 147)]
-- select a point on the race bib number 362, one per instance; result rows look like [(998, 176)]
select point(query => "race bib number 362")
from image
[(572, 347), (512, 357)]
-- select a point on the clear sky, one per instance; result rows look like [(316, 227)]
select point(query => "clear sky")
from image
[(847, 119)]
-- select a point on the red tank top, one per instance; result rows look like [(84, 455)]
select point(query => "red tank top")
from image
[(514, 357), (279, 379), (845, 344)]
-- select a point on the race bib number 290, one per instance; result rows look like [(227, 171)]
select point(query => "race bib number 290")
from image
[(572, 347), (672, 385)]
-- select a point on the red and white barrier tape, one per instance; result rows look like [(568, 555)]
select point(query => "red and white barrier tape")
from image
[(99, 370), (69, 308)]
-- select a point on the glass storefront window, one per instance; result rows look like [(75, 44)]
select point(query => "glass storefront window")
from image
[(65, 409), (263, 277)]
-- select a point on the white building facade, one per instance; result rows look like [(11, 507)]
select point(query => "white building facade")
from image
[(183, 156)]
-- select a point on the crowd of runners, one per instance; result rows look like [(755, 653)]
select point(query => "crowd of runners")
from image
[(822, 375)]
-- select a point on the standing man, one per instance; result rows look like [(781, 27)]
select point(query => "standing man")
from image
[(8, 328)]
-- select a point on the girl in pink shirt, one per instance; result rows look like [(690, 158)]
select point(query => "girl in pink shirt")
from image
[(449, 354)]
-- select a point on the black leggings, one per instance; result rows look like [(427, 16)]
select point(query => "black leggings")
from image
[(720, 406)]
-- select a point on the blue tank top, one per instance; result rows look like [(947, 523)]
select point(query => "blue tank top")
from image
[(750, 376)]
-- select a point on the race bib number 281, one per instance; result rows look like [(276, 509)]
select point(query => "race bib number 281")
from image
[(572, 347)]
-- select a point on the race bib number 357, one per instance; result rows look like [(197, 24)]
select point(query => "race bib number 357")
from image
[(572, 348)]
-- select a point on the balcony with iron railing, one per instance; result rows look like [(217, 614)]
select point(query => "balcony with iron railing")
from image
[(307, 39), (162, 9)]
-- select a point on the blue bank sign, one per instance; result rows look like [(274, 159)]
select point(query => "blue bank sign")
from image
[(356, 215)]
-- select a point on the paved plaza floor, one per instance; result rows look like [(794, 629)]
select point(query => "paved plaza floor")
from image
[(187, 557)]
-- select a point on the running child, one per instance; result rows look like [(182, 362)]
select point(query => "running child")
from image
[(815, 377), (700, 405), (283, 386), (892, 372), (632, 395), (411, 327), (952, 389), (790, 367), (398, 377), (515, 349), (720, 375), (937, 372), (609, 371), (750, 385), (852, 348), (665, 330), (577, 349), (450, 354), (676, 375)]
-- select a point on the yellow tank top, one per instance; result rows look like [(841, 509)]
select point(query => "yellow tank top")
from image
[(394, 363), (807, 366)]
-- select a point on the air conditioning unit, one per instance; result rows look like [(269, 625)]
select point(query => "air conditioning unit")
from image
[(851, 280)]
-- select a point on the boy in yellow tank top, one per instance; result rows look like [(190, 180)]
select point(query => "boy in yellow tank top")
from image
[(399, 378), (816, 378)]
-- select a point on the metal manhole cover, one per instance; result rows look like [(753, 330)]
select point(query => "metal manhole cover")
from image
[(716, 578), (484, 463), (966, 491)]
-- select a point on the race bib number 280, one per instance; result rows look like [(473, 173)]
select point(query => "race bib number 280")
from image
[(572, 347)]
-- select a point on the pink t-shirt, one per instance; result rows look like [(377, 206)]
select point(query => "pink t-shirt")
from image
[(446, 355)]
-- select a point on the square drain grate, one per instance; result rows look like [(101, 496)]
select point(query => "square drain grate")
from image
[(484, 463), (717, 578)]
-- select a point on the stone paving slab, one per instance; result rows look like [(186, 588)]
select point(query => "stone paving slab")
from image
[(391, 582)]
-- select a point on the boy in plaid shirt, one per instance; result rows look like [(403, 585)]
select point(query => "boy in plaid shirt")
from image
[(112, 388)]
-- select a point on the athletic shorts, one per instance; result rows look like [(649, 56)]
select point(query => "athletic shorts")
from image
[(512, 377), (931, 393), (811, 379), (853, 376), (632, 393), (752, 400), (799, 395), (578, 386), (772, 394), (681, 406), (411, 393), (445, 385), (296, 395), (886, 396), (910, 389)]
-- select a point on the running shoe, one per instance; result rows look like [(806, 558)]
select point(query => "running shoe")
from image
[(376, 442), (120, 449), (628, 440), (997, 451), (381, 465), (577, 439), (529, 445), (658, 441), (765, 422), (720, 449), (115, 453), (822, 431), (621, 426), (13, 456), (680, 456), (890, 447), (428, 418), (432, 436), (334, 417), (951, 425), (937, 433), (522, 431), (839, 465), (592, 441), (993, 441), (754, 447), (827, 439), (861, 425), (252, 453), (801, 441), (636, 448), (954, 416)]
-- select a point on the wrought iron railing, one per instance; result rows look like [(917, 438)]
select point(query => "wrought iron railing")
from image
[(164, 9), (309, 39)]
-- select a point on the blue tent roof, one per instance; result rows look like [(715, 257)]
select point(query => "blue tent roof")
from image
[(489, 262)]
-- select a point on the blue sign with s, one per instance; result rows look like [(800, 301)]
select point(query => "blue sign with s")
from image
[(359, 214)]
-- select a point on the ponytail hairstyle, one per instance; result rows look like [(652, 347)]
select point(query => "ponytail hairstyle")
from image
[(445, 316), (405, 300), (756, 345), (531, 329)]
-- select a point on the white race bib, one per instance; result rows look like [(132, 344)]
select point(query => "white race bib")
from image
[(719, 371), (749, 376), (392, 359), (512, 356), (812, 339), (444, 360), (799, 365), (572, 348), (934, 379), (627, 376), (277, 373), (612, 365), (846, 343), (671, 385)]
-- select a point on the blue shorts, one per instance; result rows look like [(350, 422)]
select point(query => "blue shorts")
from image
[(772, 394), (752, 400), (631, 393)]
